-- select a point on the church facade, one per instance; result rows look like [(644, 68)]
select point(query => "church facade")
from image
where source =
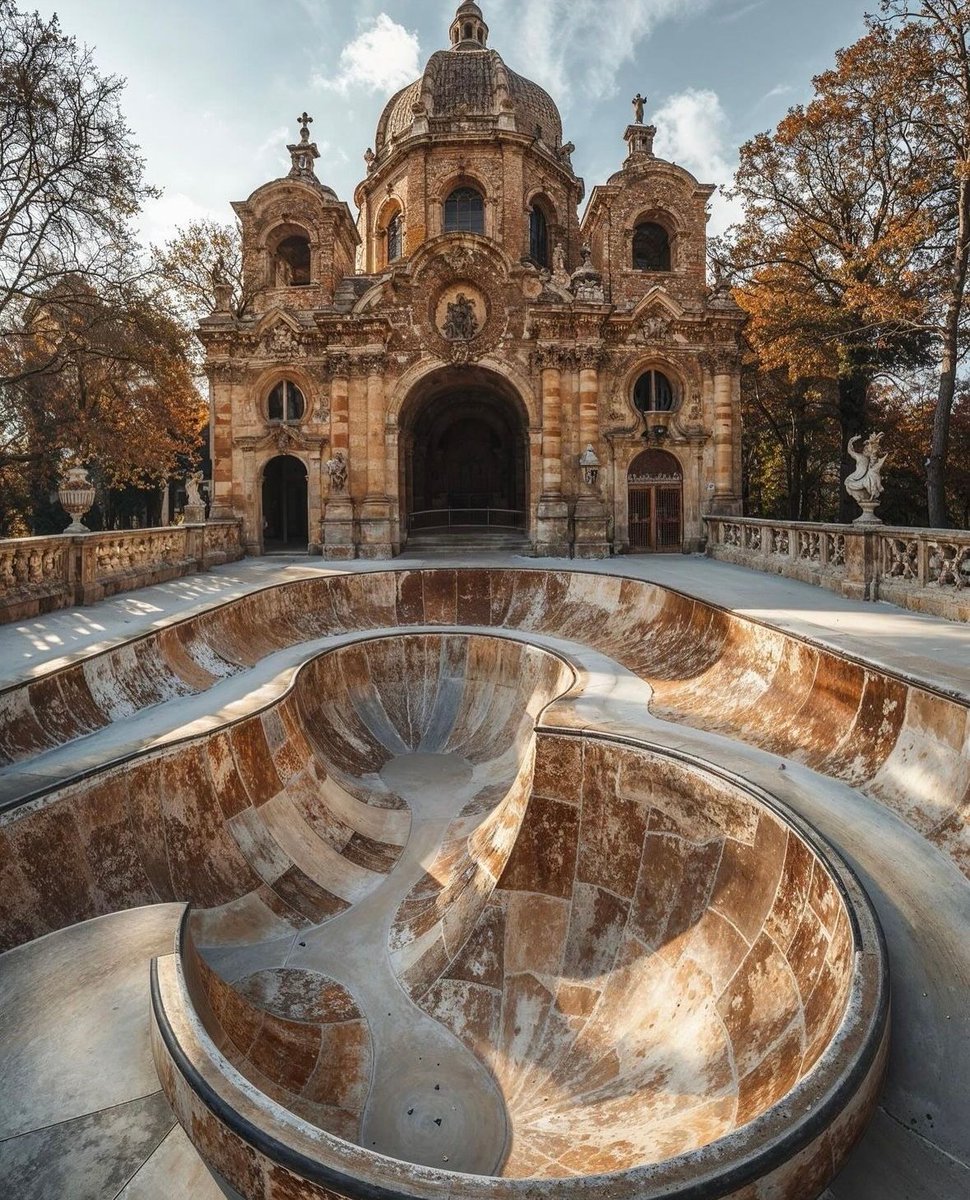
[(469, 356)]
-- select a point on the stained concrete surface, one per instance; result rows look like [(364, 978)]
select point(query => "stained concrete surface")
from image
[(82, 1115), (923, 907)]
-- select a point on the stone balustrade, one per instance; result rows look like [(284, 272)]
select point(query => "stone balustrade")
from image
[(42, 574), (927, 570)]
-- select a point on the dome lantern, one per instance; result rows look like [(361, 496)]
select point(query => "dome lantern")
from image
[(468, 30)]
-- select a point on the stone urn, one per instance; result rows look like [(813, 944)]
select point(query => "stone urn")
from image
[(76, 494)]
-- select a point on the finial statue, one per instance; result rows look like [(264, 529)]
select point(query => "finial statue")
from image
[(305, 122), (639, 107), (221, 285), (865, 485)]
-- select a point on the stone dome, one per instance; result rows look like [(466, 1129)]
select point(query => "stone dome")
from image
[(470, 85)]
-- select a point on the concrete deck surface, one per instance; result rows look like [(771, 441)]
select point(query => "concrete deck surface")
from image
[(926, 649)]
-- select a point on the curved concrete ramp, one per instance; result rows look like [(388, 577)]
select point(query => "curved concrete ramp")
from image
[(293, 822)]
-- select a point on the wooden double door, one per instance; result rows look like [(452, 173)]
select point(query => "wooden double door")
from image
[(656, 504)]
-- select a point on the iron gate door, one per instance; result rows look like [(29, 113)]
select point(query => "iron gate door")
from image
[(667, 505), (641, 518)]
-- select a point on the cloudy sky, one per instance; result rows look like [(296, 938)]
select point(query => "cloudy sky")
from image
[(214, 86)]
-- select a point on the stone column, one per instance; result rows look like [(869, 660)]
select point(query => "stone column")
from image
[(221, 377), (724, 365), (552, 518), (591, 525), (338, 521), (375, 512)]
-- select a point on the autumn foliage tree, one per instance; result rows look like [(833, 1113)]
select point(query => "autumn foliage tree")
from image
[(184, 267), (942, 30), (838, 212), (90, 363)]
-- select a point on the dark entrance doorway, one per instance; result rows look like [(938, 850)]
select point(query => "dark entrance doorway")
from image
[(285, 520), (465, 457), (656, 503)]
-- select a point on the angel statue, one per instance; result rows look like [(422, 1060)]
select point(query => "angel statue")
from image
[(865, 485), (193, 490)]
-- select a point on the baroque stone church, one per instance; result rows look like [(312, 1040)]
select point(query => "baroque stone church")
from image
[(469, 357)]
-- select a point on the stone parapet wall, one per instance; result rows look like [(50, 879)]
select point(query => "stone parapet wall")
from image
[(926, 570), (43, 574)]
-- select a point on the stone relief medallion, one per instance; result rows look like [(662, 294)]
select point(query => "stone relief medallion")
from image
[(467, 310), (461, 313)]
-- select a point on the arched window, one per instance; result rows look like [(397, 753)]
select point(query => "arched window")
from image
[(651, 247), (653, 393), (465, 211), (286, 402), (469, 33), (539, 237), (293, 262), (395, 237)]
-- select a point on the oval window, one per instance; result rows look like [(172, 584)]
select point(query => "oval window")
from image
[(653, 393), (286, 402)]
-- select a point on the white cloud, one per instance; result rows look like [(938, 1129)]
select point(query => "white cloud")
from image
[(693, 130), (582, 45), (382, 58), (740, 13), (275, 143), (160, 219)]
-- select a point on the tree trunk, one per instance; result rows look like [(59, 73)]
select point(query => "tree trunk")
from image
[(936, 466), (853, 415)]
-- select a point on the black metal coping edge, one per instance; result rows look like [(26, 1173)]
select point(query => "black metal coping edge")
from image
[(761, 1164)]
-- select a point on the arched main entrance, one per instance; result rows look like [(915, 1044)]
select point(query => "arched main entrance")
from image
[(286, 523), (464, 454), (656, 503)]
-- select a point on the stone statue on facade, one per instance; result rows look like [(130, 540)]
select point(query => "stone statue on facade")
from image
[(461, 324), (639, 107), (221, 285), (865, 485), (337, 470)]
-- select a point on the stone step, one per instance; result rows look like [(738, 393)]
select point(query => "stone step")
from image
[(444, 543)]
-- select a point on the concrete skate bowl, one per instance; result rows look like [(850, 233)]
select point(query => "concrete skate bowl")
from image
[(613, 974), (620, 973)]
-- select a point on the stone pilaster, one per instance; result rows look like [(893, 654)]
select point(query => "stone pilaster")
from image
[(591, 524), (375, 511), (552, 517), (338, 521)]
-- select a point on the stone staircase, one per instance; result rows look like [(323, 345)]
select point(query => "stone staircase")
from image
[(471, 541)]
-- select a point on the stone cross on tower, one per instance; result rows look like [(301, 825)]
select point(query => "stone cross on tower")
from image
[(304, 153)]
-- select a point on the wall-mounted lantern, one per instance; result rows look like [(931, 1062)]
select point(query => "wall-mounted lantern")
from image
[(591, 466)]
